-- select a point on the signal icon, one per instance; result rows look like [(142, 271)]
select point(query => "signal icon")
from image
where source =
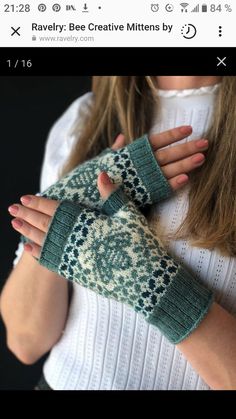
[(196, 9), (184, 7)]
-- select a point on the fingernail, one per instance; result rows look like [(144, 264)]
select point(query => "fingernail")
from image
[(182, 179), (202, 143), (13, 209), (198, 159), (25, 199), (105, 179), (17, 223), (186, 129), (28, 247)]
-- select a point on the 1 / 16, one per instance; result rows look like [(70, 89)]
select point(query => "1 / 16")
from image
[(19, 63)]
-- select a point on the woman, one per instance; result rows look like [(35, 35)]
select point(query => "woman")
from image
[(98, 343)]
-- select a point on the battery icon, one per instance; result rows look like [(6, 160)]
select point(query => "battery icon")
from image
[(204, 8)]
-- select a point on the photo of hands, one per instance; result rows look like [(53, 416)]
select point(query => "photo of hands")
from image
[(133, 220), (118, 265)]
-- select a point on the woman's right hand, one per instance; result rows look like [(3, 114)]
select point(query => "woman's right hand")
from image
[(175, 162)]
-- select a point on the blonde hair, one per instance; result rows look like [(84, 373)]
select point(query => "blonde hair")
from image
[(125, 104)]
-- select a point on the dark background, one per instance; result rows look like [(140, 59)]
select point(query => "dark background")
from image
[(28, 108), (126, 61)]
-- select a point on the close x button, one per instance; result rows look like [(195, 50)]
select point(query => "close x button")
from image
[(221, 62), (15, 31)]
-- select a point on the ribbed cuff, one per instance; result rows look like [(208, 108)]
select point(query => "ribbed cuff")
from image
[(148, 169), (115, 201), (61, 225), (183, 306)]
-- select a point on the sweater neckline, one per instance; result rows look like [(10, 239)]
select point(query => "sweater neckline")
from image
[(200, 91)]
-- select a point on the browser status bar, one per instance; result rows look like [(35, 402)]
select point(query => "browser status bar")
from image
[(119, 24)]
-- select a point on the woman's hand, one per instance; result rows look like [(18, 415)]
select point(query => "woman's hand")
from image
[(33, 220), (34, 216), (99, 250), (178, 160)]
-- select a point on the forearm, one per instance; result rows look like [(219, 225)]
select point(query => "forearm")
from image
[(211, 349), (34, 304)]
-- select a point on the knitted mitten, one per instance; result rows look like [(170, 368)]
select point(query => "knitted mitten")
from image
[(117, 256), (134, 166)]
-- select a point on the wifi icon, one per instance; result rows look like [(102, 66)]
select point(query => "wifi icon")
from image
[(184, 7)]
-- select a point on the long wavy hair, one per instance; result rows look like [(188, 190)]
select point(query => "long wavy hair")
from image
[(125, 104)]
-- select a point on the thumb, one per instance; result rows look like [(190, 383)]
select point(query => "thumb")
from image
[(105, 185), (112, 194), (119, 142)]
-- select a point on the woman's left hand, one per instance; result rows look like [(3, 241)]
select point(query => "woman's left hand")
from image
[(33, 220), (34, 217)]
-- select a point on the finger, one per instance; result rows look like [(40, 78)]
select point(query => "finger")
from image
[(183, 166), (35, 218), (180, 151), (105, 185), (178, 182), (171, 136), (33, 249), (119, 142), (39, 203), (32, 233)]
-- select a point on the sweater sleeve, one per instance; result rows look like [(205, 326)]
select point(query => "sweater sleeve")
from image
[(61, 139), (57, 148)]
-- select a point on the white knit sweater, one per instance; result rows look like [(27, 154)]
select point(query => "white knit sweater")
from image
[(106, 345)]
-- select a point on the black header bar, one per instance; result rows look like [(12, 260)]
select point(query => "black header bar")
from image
[(117, 61)]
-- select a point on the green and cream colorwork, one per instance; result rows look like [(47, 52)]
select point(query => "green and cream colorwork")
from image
[(134, 166), (117, 256)]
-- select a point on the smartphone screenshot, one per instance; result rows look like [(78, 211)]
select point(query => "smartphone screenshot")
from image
[(118, 209)]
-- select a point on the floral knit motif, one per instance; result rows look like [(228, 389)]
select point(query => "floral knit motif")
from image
[(118, 257)]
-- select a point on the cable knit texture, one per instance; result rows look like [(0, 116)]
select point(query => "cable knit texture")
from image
[(106, 344)]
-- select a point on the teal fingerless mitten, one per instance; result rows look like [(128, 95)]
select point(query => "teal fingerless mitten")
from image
[(134, 166), (117, 256)]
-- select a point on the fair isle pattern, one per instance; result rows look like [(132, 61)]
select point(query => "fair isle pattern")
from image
[(123, 166), (106, 344), (118, 257)]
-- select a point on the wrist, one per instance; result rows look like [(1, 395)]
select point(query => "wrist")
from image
[(182, 307), (148, 169)]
